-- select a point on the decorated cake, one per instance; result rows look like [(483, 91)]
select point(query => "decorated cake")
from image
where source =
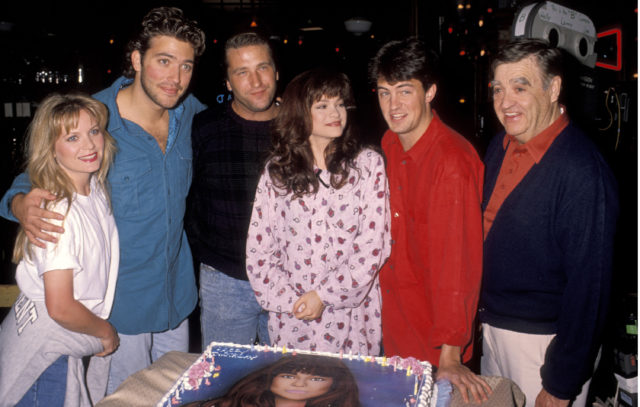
[(261, 375)]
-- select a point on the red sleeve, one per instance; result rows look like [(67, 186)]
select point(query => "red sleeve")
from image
[(454, 252)]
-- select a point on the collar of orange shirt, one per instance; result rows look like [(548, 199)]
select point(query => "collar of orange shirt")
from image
[(539, 145)]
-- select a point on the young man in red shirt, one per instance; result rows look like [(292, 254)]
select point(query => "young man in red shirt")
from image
[(430, 283)]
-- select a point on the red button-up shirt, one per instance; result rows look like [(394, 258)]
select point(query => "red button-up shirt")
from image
[(430, 283)]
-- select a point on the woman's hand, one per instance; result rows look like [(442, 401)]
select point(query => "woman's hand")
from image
[(308, 307), (110, 341), (71, 314)]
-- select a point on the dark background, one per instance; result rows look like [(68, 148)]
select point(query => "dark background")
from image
[(45, 44)]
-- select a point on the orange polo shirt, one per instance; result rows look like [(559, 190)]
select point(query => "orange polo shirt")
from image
[(518, 160)]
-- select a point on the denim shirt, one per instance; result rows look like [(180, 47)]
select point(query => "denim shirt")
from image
[(156, 287)]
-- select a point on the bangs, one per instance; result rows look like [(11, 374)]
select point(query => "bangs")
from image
[(310, 369), (393, 76), (330, 85), (66, 119), (310, 365)]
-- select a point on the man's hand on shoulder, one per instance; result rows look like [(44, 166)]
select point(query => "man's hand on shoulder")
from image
[(27, 209), (545, 399), (460, 376)]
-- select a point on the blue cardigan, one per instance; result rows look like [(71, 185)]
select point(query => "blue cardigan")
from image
[(548, 255)]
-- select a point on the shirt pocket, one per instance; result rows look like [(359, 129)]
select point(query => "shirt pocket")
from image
[(129, 179), (183, 170)]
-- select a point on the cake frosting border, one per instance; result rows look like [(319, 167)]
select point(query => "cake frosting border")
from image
[(203, 369)]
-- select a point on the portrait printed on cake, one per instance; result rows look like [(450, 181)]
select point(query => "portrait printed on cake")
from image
[(303, 380), (230, 376)]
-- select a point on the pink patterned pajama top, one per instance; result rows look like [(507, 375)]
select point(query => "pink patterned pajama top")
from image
[(333, 242)]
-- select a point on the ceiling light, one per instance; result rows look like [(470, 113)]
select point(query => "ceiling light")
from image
[(357, 25)]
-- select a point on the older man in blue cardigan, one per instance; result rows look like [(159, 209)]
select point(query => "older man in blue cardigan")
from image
[(550, 207)]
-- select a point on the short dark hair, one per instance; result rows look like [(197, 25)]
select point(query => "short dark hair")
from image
[(245, 39), (169, 21), (405, 60), (549, 59)]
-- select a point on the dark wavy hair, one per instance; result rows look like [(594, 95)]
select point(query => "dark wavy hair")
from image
[(550, 59), (254, 389), (404, 60), (169, 21), (291, 159)]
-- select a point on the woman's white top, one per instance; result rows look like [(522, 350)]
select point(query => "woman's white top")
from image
[(89, 246)]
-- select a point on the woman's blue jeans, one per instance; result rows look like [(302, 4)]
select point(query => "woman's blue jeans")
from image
[(50, 388)]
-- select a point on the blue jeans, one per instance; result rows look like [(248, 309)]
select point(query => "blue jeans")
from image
[(137, 352), (229, 311), (50, 388)]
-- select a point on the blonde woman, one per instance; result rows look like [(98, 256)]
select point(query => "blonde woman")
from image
[(66, 288)]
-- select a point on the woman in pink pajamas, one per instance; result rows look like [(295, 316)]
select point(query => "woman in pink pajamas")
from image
[(319, 231)]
